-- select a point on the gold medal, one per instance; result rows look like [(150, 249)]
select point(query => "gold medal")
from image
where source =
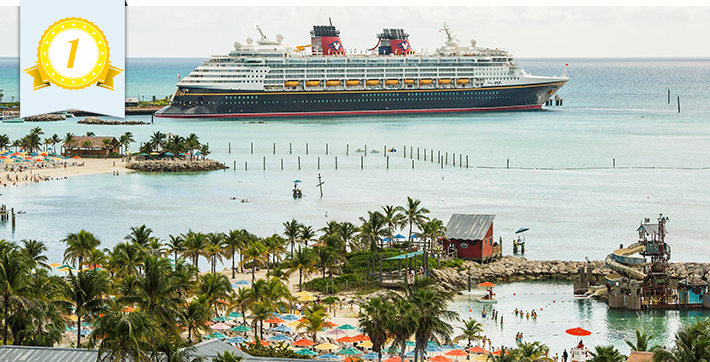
[(73, 53)]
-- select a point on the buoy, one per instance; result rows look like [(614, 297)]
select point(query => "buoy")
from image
[(540, 308), (553, 301), (513, 293), (470, 310)]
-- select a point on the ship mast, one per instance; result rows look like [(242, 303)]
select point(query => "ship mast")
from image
[(263, 37)]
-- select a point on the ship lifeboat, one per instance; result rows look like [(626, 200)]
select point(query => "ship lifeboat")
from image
[(332, 83), (352, 82), (291, 84), (312, 83), (391, 82), (409, 81), (372, 82), (462, 81), (444, 81), (424, 81)]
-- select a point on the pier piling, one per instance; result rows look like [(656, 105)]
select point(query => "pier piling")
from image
[(336, 162), (319, 163), (290, 149), (299, 162), (441, 162), (425, 154), (669, 96), (384, 148), (417, 153), (405, 151), (235, 165), (264, 163), (507, 163), (460, 160), (466, 161), (347, 149), (679, 104), (412, 164), (229, 150), (252, 148), (411, 152), (362, 162), (453, 159), (306, 147), (282, 164), (447, 158), (245, 165), (388, 162), (326, 149), (431, 157), (438, 156), (274, 151), (365, 150)]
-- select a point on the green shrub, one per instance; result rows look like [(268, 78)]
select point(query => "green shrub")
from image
[(281, 350)]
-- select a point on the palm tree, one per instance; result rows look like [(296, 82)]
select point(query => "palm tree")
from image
[(260, 312), (14, 280), (176, 350), (433, 230), (307, 234), (227, 357), (471, 330), (314, 319), (504, 356), (607, 354), (123, 336), (530, 351), (325, 258), (239, 301), (140, 235), (55, 139), (34, 250), (68, 140), (275, 247), (372, 230), (374, 318), (254, 254), (176, 245), (292, 231), (126, 258), (691, 343), (79, 246), (432, 315), (155, 247), (90, 134), (413, 214), (213, 251), (86, 292), (214, 287), (195, 315), (642, 339), (393, 219), (195, 244), (4, 140), (331, 228), (157, 140), (303, 261), (126, 139), (233, 243), (348, 234), (403, 323)]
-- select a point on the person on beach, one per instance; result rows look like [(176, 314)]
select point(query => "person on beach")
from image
[(564, 355)]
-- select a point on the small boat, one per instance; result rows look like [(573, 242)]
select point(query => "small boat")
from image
[(14, 120), (297, 194), (360, 150), (489, 297), (374, 151), (486, 300)]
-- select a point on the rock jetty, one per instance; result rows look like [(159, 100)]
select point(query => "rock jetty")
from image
[(514, 269), (175, 165), (45, 118), (96, 120)]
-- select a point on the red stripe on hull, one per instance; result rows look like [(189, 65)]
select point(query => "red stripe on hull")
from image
[(351, 113)]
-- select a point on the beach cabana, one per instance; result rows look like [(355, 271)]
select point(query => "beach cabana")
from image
[(470, 236)]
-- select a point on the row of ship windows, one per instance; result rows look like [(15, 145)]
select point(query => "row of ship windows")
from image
[(390, 94), (358, 65), (416, 98)]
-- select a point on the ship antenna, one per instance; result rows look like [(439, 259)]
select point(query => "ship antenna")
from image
[(448, 34), (263, 37), (330, 21)]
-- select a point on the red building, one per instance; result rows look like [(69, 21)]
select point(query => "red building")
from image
[(470, 236)]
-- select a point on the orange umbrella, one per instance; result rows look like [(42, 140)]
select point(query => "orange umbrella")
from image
[(487, 285), (440, 359), (477, 349), (304, 343), (263, 343), (347, 339), (275, 320), (395, 359), (456, 352), (578, 332), (129, 309), (496, 353), (76, 157), (362, 338), (331, 324)]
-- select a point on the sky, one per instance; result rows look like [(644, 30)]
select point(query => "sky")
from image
[(528, 32)]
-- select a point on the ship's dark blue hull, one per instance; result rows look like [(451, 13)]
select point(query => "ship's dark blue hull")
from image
[(219, 103)]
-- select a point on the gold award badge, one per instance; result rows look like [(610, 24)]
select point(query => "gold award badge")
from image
[(73, 53)]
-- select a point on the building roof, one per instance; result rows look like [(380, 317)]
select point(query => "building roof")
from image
[(468, 226), (42, 354), (636, 356), (96, 142), (211, 347), (132, 99), (650, 229)]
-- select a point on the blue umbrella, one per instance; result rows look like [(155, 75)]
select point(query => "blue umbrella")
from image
[(282, 328), (369, 356), (434, 348), (290, 317), (453, 346), (522, 230), (85, 332), (297, 181), (400, 236), (329, 356), (235, 315), (168, 154), (387, 239), (236, 340), (410, 344), (306, 352), (242, 282), (409, 354), (280, 337)]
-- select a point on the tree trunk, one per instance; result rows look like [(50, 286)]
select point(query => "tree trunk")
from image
[(233, 255), (78, 331), (410, 235), (4, 338), (401, 353), (300, 278), (253, 270)]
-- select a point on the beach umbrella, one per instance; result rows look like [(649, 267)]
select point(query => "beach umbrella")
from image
[(280, 337), (347, 327), (168, 154), (323, 346), (234, 315), (328, 356), (456, 353), (580, 332), (54, 265), (331, 324), (336, 332), (440, 359), (242, 282), (522, 230), (297, 181), (365, 344), (410, 343), (350, 351), (219, 319), (346, 339), (76, 157), (3, 157), (274, 320), (486, 285), (143, 154), (434, 348), (85, 332), (304, 293), (236, 340), (369, 356), (400, 236), (361, 338), (307, 298), (240, 328), (304, 343), (263, 343), (453, 346), (289, 317), (479, 358), (281, 328), (129, 309), (293, 324), (478, 350), (219, 326), (154, 154), (306, 352), (395, 359), (28, 160)]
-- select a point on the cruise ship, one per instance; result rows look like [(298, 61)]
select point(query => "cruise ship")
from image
[(269, 78)]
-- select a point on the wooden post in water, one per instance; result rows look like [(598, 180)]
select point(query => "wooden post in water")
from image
[(405, 151), (669, 96), (282, 164), (274, 148), (613, 162), (306, 147), (460, 159), (507, 163), (336, 162), (230, 148), (235, 165), (365, 150), (299, 162), (425, 154), (245, 165), (466, 161), (388, 162), (290, 149), (252, 148), (319, 163), (678, 104), (320, 185), (362, 162), (347, 149), (411, 152), (417, 153), (453, 158), (384, 148), (438, 156), (326, 149), (441, 161), (447, 158), (412, 164), (264, 163)]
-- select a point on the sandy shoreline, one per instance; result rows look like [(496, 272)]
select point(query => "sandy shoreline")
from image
[(90, 166)]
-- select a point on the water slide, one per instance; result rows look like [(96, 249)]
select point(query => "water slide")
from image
[(623, 263)]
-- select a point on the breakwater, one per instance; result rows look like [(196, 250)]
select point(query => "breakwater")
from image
[(175, 165), (514, 269), (45, 118), (96, 120)]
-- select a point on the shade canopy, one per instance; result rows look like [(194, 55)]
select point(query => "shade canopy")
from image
[(289, 317), (329, 356), (306, 352), (477, 349), (578, 332), (219, 326), (362, 337), (395, 359), (236, 340), (336, 332), (307, 298), (522, 230), (369, 356), (242, 282), (304, 343), (365, 344), (324, 346), (487, 285), (346, 339), (434, 349), (54, 265), (274, 320), (281, 328), (280, 337), (406, 256), (350, 351), (240, 328), (440, 359), (347, 327), (456, 352)]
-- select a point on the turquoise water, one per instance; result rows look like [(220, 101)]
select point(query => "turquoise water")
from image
[(560, 183), (558, 310)]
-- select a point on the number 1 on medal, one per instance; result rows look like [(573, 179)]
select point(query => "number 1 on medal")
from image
[(72, 53)]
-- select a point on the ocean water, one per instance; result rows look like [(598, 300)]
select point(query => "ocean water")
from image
[(560, 183)]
